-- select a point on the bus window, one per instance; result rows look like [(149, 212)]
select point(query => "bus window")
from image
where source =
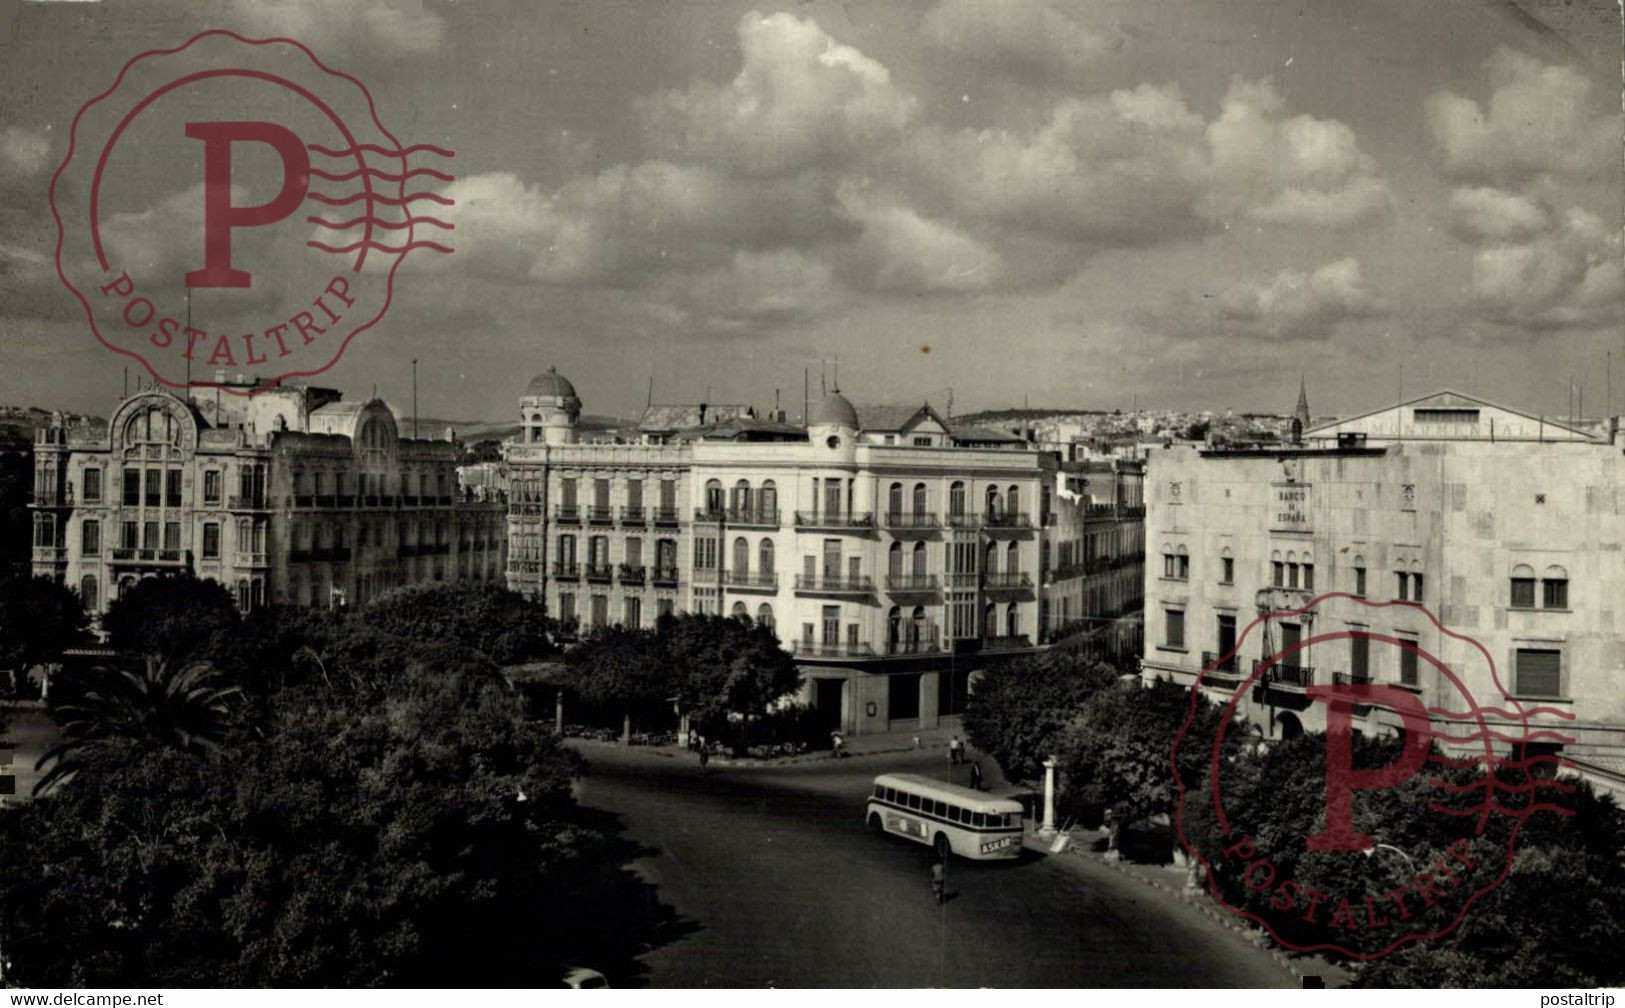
[(880, 791), (953, 812), (914, 801), (891, 794), (978, 819), (964, 816), (940, 808)]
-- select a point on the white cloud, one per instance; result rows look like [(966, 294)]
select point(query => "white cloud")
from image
[(800, 100), (1539, 119), (1567, 277), (24, 153), (1300, 170), (1294, 303), (395, 27), (1484, 213), (1007, 34), (759, 289), (900, 250)]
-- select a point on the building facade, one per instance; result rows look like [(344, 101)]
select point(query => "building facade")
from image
[(1486, 538), (292, 495), (896, 554), (1094, 596)]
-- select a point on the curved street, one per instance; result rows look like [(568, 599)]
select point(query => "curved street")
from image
[(786, 888)]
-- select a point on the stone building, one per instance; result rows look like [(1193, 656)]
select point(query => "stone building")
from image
[(291, 495), (1485, 537)]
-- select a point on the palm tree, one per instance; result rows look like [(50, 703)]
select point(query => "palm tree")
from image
[(187, 709)]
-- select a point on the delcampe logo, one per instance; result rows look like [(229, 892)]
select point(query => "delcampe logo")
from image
[(235, 204)]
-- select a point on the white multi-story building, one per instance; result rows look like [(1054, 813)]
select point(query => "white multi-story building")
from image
[(895, 552), (1506, 527)]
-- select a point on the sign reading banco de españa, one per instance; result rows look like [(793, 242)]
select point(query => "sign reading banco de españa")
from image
[(1289, 510), (235, 203)]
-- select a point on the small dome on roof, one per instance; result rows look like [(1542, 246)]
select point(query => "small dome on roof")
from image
[(551, 383), (835, 410)]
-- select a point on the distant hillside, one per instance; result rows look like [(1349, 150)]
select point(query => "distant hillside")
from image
[(1005, 415)]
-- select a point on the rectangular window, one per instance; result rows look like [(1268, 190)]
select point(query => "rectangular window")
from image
[(567, 491), (1359, 581), (978, 820), (1557, 593), (211, 540), (1278, 574), (1360, 658), (1416, 587), (914, 802), (705, 554), (1539, 672), (1184, 567), (1168, 565), (664, 607), (93, 485), (1407, 663), (1227, 568), (922, 442), (90, 540), (127, 535), (1403, 583), (153, 487), (567, 606), (211, 486), (634, 552), (1292, 575), (939, 809), (1523, 593), (1309, 577), (1174, 621), (132, 487), (172, 488), (668, 495)]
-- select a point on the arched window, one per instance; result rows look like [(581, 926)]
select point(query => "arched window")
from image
[(1012, 559), (919, 559), (1012, 620), (1227, 566), (1523, 587), (990, 560), (990, 620), (764, 558), (956, 498), (1307, 563), (1554, 588), (919, 499), (87, 592), (1277, 569), (992, 500), (742, 498), (770, 499), (740, 612), (741, 557), (1012, 499), (894, 500), (713, 496), (1168, 567), (764, 615), (917, 628), (1182, 563), (894, 560), (894, 627)]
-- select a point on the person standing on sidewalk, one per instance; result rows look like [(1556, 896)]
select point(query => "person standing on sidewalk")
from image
[(976, 775), (939, 880), (956, 751)]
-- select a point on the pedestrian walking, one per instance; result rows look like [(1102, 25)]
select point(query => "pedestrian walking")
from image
[(836, 744), (976, 775), (956, 751), (939, 880), (705, 758)]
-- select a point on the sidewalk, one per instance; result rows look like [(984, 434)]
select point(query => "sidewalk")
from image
[(1169, 881), (867, 745)]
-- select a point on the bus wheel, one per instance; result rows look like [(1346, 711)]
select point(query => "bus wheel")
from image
[(942, 846), (875, 824)]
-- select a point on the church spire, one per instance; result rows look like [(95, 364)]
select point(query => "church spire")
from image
[(1301, 414)]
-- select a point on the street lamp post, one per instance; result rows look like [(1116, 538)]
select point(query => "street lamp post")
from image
[(1047, 828)]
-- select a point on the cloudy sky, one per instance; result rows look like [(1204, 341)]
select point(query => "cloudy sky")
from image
[(1081, 203)]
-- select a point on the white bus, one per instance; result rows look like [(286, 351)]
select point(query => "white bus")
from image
[(946, 817)]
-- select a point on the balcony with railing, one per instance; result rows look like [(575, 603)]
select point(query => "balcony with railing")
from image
[(1007, 521), (634, 516), (597, 515), (1007, 642), (524, 509), (525, 568), (754, 517), (964, 520), (709, 516), (751, 580), (126, 554), (632, 574), (561, 569), (252, 559), (820, 649), (600, 572), (913, 644), (859, 521), (665, 517), (664, 576), (1007, 581), (1218, 670), (834, 585), (567, 514), (50, 554), (912, 521), (1287, 677), (913, 584)]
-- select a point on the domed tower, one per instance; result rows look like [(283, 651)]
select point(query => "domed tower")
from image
[(549, 409), (833, 426)]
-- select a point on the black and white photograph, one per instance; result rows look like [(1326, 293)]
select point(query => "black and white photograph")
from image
[(512, 495)]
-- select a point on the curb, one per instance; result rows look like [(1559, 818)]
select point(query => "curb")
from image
[(1195, 901)]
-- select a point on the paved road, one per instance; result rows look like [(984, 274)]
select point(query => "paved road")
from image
[(788, 889)]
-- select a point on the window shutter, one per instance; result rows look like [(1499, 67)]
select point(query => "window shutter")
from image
[(1540, 673)]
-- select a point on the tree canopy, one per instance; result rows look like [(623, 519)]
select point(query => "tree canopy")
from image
[(1018, 710), (727, 665), (38, 618), (499, 623), (170, 619)]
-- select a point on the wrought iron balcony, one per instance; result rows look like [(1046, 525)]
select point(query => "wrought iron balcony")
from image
[(634, 516), (523, 508), (863, 520), (903, 584), (566, 570), (912, 520), (1007, 520), (759, 581), (1351, 679), (600, 572), (816, 649), (709, 515), (600, 515), (834, 585), (665, 516), (1217, 668), (906, 646), (964, 520), (664, 576), (567, 514), (1007, 581), (631, 574), (125, 554), (1291, 677), (527, 568), (758, 517)]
